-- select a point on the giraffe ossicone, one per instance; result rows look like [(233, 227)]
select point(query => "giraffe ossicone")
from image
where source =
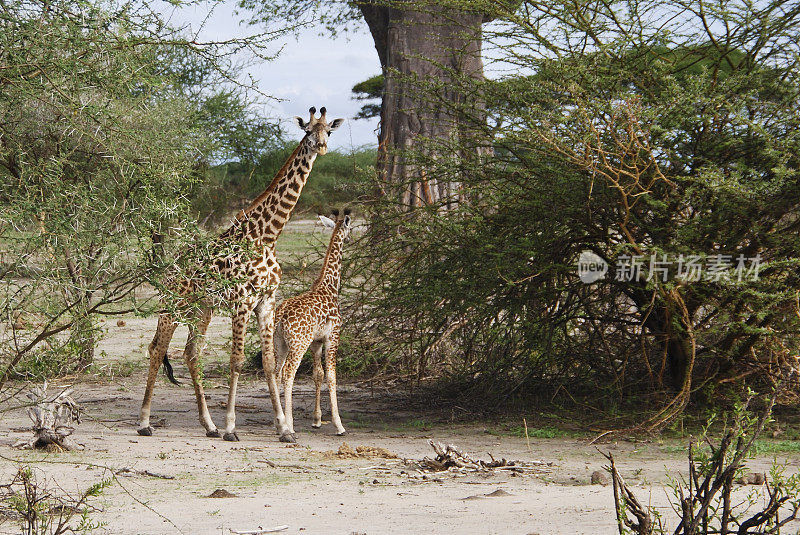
[(240, 271)]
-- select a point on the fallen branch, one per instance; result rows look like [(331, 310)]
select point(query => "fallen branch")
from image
[(259, 531), (450, 458), (122, 471)]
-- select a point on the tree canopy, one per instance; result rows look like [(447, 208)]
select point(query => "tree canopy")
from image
[(108, 120), (369, 89), (647, 134)]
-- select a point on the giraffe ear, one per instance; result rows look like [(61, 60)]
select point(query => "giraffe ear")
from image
[(347, 221), (336, 123), (300, 122), (327, 222)]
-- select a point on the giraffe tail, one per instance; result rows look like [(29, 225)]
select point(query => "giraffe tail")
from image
[(169, 373)]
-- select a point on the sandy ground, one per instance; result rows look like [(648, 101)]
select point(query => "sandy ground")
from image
[(302, 487)]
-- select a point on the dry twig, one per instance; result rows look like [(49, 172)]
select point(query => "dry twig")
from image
[(625, 501), (260, 531), (124, 471)]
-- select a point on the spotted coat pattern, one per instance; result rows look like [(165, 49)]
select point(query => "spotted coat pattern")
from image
[(312, 319), (239, 272)]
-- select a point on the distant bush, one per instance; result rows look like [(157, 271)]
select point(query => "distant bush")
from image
[(335, 181)]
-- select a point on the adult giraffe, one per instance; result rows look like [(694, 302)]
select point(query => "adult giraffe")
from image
[(239, 271)]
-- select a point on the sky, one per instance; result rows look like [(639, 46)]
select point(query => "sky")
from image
[(311, 70)]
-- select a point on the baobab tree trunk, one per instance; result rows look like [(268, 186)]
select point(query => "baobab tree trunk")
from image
[(430, 45)]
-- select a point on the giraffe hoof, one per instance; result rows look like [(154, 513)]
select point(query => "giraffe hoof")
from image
[(341, 433), (316, 426), (230, 437), (288, 437), (214, 433), (145, 431)]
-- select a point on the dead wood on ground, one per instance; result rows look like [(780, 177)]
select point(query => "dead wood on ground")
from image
[(52, 419), (450, 458)]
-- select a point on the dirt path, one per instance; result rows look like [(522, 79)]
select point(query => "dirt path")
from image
[(303, 487), (312, 492)]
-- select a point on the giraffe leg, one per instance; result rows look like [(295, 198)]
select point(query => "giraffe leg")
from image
[(265, 313), (330, 365), (318, 375), (191, 354), (281, 350), (157, 350), (289, 371), (239, 321)]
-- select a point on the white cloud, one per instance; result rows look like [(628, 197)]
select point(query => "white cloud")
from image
[(312, 70)]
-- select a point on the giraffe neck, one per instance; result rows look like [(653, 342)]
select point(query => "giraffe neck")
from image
[(264, 219), (330, 275)]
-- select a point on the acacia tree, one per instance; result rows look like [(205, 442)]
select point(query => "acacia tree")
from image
[(101, 147), (430, 41), (638, 129)]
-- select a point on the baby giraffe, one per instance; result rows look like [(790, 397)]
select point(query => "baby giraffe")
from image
[(312, 319)]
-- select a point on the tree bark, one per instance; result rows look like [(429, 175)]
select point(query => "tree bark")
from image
[(83, 338), (82, 332), (432, 44), (676, 347)]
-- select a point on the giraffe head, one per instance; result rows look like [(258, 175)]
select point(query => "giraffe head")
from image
[(342, 224), (318, 129)]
